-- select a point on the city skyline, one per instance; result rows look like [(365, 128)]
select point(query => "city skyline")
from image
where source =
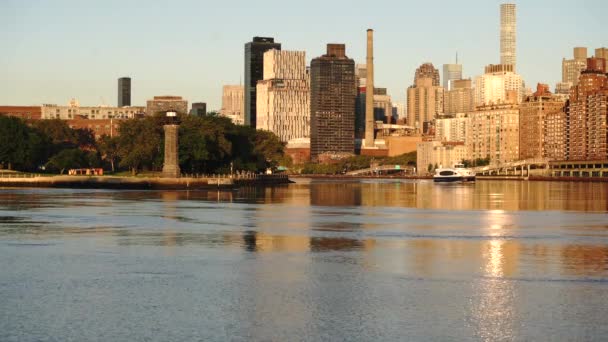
[(86, 62)]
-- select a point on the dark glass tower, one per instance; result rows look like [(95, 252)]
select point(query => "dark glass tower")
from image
[(124, 91), (254, 71), (332, 105)]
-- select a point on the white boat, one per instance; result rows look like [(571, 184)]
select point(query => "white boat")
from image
[(458, 173)]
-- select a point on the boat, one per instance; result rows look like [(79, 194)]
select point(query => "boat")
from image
[(458, 173)]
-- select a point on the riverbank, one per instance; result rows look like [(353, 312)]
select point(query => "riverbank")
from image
[(479, 178), (141, 183)]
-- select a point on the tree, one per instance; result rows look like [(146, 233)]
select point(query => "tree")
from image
[(21, 147), (203, 146), (140, 144), (108, 147), (268, 149), (68, 159), (14, 142)]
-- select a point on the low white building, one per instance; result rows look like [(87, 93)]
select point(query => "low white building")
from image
[(436, 154), (75, 111)]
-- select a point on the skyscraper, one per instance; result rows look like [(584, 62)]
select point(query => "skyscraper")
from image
[(508, 33), (332, 104), (425, 97), (199, 109), (571, 68), (451, 72), (254, 71), (533, 113), (283, 96), (124, 92), (460, 99), (499, 85), (233, 103), (429, 71)]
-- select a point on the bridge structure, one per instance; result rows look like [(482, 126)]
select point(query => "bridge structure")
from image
[(382, 170), (520, 168)]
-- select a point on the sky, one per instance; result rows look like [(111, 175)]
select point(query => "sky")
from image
[(55, 50)]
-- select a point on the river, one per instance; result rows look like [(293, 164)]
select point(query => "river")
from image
[(369, 260)]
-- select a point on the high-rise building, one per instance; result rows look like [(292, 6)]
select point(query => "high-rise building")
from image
[(533, 113), (283, 96), (427, 70), (556, 133), (499, 85), (332, 104), (199, 109), (254, 72), (571, 68), (588, 114), (124, 92), (452, 129), (163, 104), (383, 107), (493, 132), (361, 81), (601, 53), (460, 99), (424, 98), (451, 72), (508, 35), (233, 105)]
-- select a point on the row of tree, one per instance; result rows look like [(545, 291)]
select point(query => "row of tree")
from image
[(208, 144)]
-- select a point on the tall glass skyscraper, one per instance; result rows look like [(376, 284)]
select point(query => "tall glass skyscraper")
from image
[(254, 72), (124, 91)]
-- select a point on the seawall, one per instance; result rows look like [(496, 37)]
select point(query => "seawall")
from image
[(143, 183)]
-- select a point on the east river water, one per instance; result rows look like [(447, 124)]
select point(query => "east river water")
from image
[(364, 260)]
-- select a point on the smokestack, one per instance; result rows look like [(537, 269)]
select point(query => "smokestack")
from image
[(369, 92)]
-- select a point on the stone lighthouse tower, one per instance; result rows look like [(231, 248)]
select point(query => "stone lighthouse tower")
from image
[(171, 164)]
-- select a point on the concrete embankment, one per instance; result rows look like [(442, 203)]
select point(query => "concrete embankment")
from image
[(143, 183)]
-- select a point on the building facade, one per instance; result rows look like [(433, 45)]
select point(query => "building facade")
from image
[(556, 133), (424, 103), (124, 92), (75, 111), (162, 104), (451, 72), (383, 107), (493, 132), (460, 99), (254, 72), (588, 113), (22, 112), (436, 154), (452, 129), (199, 109), (283, 96), (233, 103), (571, 68), (499, 85), (99, 127), (427, 70), (332, 104), (533, 113), (508, 35)]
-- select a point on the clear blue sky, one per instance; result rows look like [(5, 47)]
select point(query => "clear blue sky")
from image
[(53, 50)]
